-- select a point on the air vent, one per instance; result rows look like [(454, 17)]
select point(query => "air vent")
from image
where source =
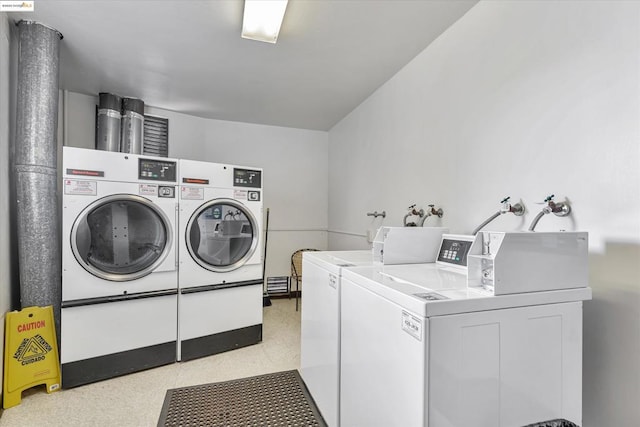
[(156, 136)]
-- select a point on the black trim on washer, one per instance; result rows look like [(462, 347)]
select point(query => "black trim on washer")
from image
[(219, 343), (114, 365), (217, 286), (118, 298)]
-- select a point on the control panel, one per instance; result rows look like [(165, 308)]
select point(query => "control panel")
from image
[(247, 178), (455, 250), (157, 170)]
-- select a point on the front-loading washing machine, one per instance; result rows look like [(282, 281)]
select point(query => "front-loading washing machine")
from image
[(220, 252), (119, 264)]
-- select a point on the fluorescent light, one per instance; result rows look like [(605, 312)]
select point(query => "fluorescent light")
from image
[(262, 19)]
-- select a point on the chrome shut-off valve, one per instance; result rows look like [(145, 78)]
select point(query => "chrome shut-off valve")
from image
[(558, 209), (517, 209)]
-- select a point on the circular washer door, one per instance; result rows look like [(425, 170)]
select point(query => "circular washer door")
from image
[(222, 234), (121, 237)]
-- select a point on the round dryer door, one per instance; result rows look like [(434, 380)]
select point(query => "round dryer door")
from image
[(121, 237), (222, 235)]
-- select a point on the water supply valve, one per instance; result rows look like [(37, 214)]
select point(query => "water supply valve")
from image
[(517, 209), (412, 212), (560, 209), (437, 212)]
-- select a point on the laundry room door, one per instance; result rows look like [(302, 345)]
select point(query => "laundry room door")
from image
[(222, 234), (121, 237)]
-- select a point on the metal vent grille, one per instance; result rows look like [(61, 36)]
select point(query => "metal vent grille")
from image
[(156, 136)]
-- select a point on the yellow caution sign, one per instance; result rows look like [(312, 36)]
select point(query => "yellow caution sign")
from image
[(30, 353)]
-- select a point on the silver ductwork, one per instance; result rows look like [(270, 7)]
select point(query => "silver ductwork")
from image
[(35, 166), (108, 122), (132, 126)]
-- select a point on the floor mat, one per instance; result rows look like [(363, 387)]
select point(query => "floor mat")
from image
[(278, 399)]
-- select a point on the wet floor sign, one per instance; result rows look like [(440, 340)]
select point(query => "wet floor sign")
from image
[(30, 353)]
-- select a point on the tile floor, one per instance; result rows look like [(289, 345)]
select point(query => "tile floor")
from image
[(136, 399)]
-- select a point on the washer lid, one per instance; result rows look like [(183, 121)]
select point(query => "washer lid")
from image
[(121, 237), (222, 235)]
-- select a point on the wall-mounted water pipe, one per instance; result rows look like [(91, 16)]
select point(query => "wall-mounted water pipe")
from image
[(431, 211), (376, 214), (412, 211), (517, 209), (558, 209)]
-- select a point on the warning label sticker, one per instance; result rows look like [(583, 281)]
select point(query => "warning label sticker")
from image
[(80, 187), (32, 350), (191, 193), (412, 325), (148, 190)]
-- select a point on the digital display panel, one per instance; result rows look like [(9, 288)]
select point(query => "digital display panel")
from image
[(157, 170), (247, 178), (454, 251)]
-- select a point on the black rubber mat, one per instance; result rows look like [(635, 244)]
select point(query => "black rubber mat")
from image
[(279, 399)]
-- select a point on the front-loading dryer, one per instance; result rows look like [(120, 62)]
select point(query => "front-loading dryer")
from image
[(220, 251), (119, 264)]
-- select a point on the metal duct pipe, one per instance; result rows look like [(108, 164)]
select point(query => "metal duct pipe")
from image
[(132, 125), (35, 166), (109, 121)]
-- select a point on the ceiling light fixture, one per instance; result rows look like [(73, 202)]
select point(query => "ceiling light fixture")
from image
[(262, 19)]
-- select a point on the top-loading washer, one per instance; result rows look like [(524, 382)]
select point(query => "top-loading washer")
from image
[(220, 251), (420, 347), (320, 325), (119, 264), (320, 318)]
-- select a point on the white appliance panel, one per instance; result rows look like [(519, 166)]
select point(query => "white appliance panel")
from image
[(211, 312), (382, 369), (320, 338), (506, 367), (101, 329)]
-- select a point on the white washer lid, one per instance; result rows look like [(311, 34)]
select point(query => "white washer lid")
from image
[(335, 261), (443, 290)]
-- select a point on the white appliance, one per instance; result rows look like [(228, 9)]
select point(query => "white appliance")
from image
[(320, 325), (421, 348), (220, 245), (119, 264), (320, 319)]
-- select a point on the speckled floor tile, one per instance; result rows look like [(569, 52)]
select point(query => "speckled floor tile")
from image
[(136, 399)]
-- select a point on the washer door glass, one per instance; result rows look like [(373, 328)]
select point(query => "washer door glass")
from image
[(121, 237), (222, 235)]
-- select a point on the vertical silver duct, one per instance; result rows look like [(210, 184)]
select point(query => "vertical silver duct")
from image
[(109, 121), (132, 125), (35, 162)]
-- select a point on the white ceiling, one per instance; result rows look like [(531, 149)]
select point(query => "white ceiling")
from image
[(188, 56)]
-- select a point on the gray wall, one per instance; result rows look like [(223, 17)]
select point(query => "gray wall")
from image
[(520, 98), (295, 163)]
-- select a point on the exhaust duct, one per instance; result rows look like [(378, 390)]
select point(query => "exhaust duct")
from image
[(109, 120), (35, 166), (132, 126)]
